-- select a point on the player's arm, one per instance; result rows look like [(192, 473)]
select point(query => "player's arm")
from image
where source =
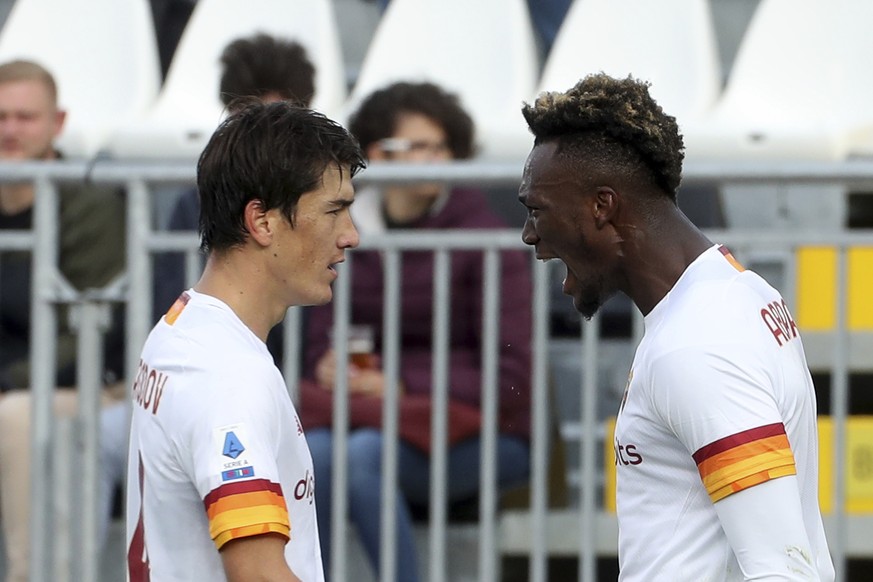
[(765, 529), (746, 465), (258, 558), (234, 467)]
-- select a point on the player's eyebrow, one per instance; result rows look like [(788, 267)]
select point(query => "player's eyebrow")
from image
[(340, 202)]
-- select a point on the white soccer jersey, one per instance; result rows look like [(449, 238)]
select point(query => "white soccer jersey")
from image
[(719, 400), (216, 450)]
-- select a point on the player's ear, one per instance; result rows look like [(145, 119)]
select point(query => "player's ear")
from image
[(257, 222), (605, 205)]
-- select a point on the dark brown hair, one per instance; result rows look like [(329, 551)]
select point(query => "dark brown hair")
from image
[(272, 152), (258, 65), (377, 116)]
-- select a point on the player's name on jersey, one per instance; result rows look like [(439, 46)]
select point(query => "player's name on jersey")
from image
[(779, 321), (148, 387)]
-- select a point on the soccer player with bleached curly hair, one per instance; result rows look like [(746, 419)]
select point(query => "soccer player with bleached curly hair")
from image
[(715, 442)]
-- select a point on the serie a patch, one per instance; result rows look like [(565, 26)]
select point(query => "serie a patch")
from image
[(231, 458), (238, 473)]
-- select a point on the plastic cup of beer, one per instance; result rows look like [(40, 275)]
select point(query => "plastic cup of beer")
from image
[(360, 342)]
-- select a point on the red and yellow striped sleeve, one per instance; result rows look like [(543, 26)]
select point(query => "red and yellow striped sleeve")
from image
[(176, 308), (730, 258), (246, 508), (744, 459)]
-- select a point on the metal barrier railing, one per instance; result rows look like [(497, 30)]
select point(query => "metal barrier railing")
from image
[(134, 289), (50, 288), (442, 242)]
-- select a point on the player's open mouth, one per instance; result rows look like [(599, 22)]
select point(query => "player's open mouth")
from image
[(332, 267), (569, 283)]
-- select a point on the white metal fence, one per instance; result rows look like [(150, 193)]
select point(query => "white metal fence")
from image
[(584, 530)]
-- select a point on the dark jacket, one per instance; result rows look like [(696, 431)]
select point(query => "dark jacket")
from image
[(91, 253), (169, 268), (464, 209)]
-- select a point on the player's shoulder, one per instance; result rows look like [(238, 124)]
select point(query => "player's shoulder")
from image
[(720, 287), (202, 320), (206, 360), (207, 385), (716, 302)]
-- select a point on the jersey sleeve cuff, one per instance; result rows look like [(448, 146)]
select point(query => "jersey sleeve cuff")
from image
[(251, 530), (745, 459)]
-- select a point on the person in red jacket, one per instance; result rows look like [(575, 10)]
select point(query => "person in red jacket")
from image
[(412, 122)]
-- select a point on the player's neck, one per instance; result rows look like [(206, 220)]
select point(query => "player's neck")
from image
[(236, 283), (660, 258)]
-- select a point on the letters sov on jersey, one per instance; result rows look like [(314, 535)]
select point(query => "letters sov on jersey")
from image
[(148, 387)]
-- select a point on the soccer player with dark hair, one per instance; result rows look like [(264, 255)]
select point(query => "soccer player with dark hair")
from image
[(715, 443), (220, 477)]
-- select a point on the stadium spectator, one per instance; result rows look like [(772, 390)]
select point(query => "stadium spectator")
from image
[(261, 66), (91, 242), (715, 440), (409, 122), (220, 476)]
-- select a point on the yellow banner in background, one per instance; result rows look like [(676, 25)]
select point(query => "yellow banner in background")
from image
[(860, 265), (817, 288), (859, 464), (609, 469)]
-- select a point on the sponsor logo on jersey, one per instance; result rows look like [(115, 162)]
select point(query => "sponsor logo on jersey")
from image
[(626, 454), (240, 473), (305, 488)]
